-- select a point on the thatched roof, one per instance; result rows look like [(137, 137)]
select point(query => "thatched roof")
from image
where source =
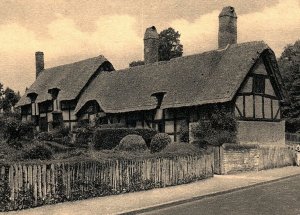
[(69, 79), (210, 77)]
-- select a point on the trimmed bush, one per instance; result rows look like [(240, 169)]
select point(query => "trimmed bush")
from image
[(159, 142), (181, 149), (132, 142), (108, 138), (37, 150), (147, 134)]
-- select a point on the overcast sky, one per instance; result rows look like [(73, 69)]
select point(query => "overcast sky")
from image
[(72, 30)]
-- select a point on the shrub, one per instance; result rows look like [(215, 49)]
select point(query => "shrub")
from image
[(108, 138), (181, 149), (63, 131), (218, 129), (13, 130), (37, 150), (56, 147), (83, 136), (45, 136), (132, 142), (159, 142), (184, 133), (292, 125)]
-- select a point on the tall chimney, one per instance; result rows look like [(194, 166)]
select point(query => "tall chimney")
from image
[(39, 63), (227, 27), (151, 44)]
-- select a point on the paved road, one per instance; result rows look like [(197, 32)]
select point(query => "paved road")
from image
[(281, 197)]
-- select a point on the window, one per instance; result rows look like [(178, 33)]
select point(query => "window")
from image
[(57, 119), (258, 84)]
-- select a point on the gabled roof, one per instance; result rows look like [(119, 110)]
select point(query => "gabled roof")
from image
[(69, 79), (210, 77)]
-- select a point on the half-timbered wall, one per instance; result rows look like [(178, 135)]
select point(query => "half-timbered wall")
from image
[(257, 98)]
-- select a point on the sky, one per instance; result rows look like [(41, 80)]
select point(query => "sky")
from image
[(72, 30)]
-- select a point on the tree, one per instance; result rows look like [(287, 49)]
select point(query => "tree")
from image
[(8, 98), (289, 64), (169, 46)]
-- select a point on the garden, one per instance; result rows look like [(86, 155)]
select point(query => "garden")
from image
[(38, 168)]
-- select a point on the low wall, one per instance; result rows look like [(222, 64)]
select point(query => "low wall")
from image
[(28, 185), (255, 159), (276, 156), (240, 160), (261, 132)]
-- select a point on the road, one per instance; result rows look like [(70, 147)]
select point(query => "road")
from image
[(281, 197)]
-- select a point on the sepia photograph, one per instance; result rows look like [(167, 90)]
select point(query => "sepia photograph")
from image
[(149, 107)]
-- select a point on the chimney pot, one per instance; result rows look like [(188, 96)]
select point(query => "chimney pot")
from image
[(39, 63)]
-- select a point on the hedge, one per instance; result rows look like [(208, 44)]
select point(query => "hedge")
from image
[(108, 138), (159, 142), (132, 142)]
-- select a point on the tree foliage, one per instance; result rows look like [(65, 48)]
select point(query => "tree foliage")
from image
[(169, 46), (8, 98), (289, 64)]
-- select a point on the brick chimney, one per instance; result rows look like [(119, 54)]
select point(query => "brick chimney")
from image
[(227, 27), (151, 44), (39, 63)]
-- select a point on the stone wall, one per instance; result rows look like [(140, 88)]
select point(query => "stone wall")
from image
[(234, 160), (240, 160), (261, 132)]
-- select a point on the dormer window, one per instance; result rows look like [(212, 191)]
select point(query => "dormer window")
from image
[(34, 107), (159, 112), (258, 86), (32, 97), (54, 93)]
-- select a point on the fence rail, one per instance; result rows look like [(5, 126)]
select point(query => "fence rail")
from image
[(29, 185)]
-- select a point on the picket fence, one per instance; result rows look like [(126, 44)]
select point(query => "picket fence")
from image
[(29, 185)]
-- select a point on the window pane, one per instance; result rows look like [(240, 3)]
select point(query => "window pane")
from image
[(258, 84)]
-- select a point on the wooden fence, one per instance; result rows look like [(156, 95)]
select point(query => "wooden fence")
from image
[(28, 185)]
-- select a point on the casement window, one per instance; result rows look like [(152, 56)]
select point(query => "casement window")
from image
[(57, 119), (258, 86)]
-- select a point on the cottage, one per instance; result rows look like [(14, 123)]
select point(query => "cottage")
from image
[(243, 78)]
